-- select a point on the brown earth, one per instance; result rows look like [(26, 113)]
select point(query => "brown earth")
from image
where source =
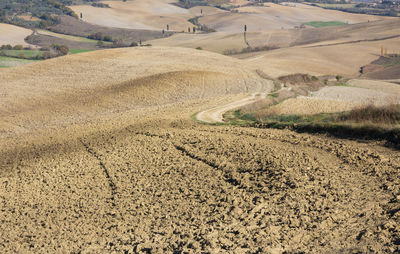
[(72, 26), (392, 72), (47, 40), (99, 154)]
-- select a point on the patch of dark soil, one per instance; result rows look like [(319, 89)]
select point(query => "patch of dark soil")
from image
[(72, 26), (392, 72), (47, 40)]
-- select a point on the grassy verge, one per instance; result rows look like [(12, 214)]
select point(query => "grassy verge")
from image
[(368, 123), (77, 51), (25, 53), (71, 37), (324, 23)]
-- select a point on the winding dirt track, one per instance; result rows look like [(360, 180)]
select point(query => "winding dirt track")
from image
[(110, 162), (215, 114)]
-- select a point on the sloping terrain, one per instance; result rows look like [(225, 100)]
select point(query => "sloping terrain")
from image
[(13, 35), (343, 58), (139, 14), (72, 26), (275, 16), (99, 154), (283, 38)]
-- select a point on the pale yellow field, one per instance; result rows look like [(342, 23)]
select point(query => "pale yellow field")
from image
[(274, 16), (345, 59), (13, 35), (138, 14)]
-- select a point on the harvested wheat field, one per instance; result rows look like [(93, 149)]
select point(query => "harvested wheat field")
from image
[(138, 14), (13, 35), (355, 36), (99, 155), (343, 58), (276, 16)]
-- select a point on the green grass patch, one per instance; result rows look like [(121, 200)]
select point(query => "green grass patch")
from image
[(368, 122), (77, 51), (341, 84), (71, 37), (324, 23), (26, 53)]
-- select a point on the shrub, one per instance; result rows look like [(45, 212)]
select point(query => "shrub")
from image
[(385, 114), (107, 38), (199, 48), (21, 55), (134, 44), (6, 47), (18, 47), (46, 55), (61, 49), (101, 5), (100, 37)]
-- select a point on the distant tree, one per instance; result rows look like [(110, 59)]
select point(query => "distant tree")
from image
[(194, 29), (81, 15), (188, 29), (244, 36), (46, 55), (134, 44), (61, 49), (107, 38), (18, 47), (163, 31), (6, 47), (167, 27)]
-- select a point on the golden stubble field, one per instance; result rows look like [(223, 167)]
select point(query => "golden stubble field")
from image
[(13, 35), (99, 154)]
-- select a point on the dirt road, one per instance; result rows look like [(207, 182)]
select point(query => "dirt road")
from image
[(215, 114)]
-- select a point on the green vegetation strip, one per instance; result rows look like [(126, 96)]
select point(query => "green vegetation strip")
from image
[(368, 123), (77, 51), (324, 23), (26, 53)]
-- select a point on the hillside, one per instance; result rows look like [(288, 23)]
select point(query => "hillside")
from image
[(164, 75), (283, 139), (99, 154)]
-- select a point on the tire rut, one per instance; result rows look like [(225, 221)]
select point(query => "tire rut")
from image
[(106, 172), (181, 149)]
